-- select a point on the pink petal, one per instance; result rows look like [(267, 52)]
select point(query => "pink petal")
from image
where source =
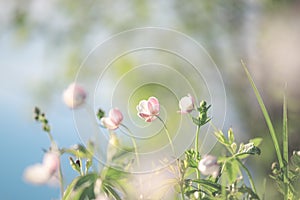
[(153, 105), (186, 104), (143, 115), (51, 162), (116, 116), (143, 107), (36, 174), (74, 96), (108, 123)]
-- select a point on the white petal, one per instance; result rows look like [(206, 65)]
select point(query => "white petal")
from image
[(36, 174)]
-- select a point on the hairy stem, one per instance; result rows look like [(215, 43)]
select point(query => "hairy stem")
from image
[(168, 134), (134, 144)]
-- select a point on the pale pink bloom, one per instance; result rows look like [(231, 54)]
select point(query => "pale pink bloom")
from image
[(43, 173), (51, 162), (36, 174), (74, 96), (208, 166), (186, 104), (113, 120), (148, 109)]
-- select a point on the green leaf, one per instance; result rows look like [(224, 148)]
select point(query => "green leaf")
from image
[(221, 138), (69, 189), (246, 190), (111, 192), (266, 116), (100, 114), (230, 136), (256, 141), (247, 149), (81, 188), (233, 147), (209, 184), (231, 170), (196, 121), (78, 151)]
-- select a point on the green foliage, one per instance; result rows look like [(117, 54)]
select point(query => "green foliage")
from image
[(81, 188), (100, 114), (196, 176), (203, 118)]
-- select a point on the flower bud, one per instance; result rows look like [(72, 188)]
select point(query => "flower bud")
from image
[(114, 119), (186, 104), (208, 166), (74, 96)]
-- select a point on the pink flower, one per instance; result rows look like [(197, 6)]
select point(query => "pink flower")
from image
[(186, 104), (113, 120), (148, 110), (42, 173), (74, 96), (208, 166)]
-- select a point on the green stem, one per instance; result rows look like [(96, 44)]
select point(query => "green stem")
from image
[(168, 134), (266, 116), (197, 154), (61, 181), (181, 180), (248, 174), (285, 149), (197, 140), (134, 144), (50, 137), (182, 186)]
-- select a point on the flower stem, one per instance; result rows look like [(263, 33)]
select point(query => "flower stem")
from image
[(61, 181), (134, 144), (197, 154), (248, 174), (285, 142), (167, 132)]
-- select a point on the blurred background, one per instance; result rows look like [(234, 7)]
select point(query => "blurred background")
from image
[(44, 42)]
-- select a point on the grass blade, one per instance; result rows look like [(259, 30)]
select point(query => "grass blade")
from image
[(266, 116), (285, 148)]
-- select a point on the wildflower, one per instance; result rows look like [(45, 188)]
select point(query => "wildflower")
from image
[(208, 166), (113, 120), (186, 104), (42, 173), (148, 109), (74, 96)]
